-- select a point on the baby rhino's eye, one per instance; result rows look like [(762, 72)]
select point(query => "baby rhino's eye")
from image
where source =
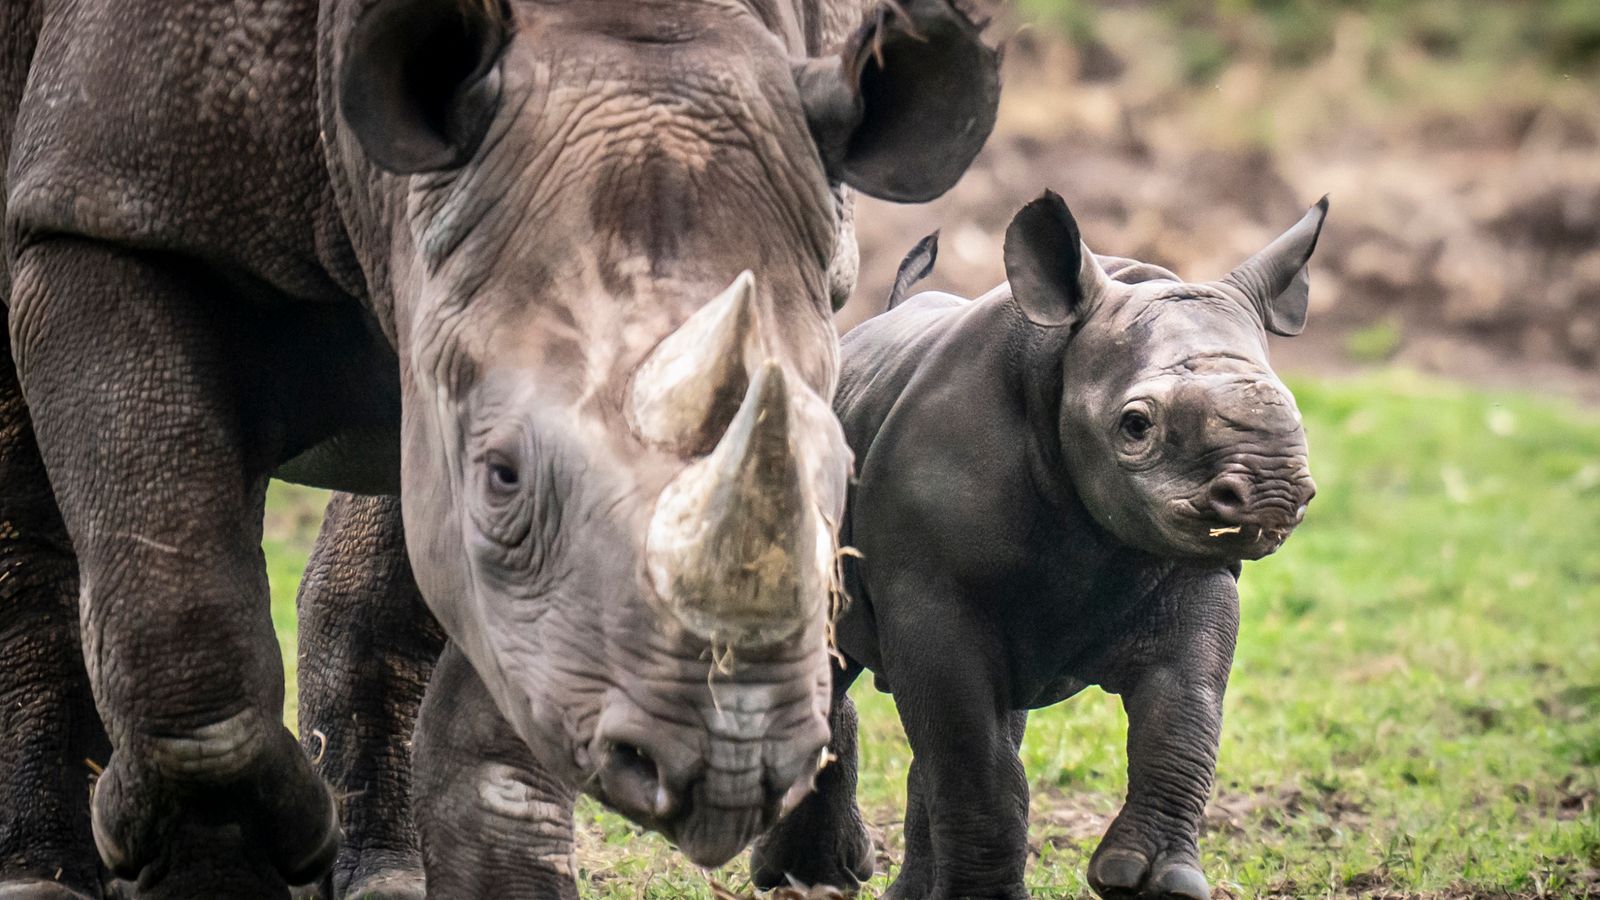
[(1135, 425)]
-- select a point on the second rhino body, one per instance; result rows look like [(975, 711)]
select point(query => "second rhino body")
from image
[(1056, 484)]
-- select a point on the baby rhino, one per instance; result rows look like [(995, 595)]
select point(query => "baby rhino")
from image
[(1057, 482)]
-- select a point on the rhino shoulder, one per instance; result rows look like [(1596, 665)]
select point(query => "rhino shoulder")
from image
[(932, 341)]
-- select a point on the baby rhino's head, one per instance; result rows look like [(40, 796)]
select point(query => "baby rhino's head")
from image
[(1178, 436)]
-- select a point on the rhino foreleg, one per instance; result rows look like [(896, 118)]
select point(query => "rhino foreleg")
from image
[(1174, 707), (367, 647), (141, 426), (50, 735), (493, 824), (823, 841)]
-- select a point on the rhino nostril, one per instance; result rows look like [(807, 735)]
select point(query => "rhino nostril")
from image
[(1228, 496), (634, 782)]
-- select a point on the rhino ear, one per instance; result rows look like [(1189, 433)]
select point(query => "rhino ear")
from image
[(417, 85), (1275, 281), (900, 113), (1053, 276)]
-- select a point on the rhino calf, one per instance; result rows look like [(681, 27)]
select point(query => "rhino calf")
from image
[(1057, 483)]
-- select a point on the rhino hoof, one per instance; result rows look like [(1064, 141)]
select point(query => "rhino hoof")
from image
[(312, 866), (141, 814), (1180, 881), (784, 856), (114, 837), (39, 890), (1117, 873)]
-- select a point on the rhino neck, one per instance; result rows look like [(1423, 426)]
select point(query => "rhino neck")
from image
[(1031, 367)]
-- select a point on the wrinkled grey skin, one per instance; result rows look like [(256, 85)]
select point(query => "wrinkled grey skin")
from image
[(1057, 483), (245, 239), (367, 648)]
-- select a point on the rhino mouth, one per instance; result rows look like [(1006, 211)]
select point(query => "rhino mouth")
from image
[(705, 827), (1200, 533), (713, 783), (710, 836), (1247, 541)]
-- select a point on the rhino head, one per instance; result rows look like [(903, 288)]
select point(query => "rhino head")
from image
[(612, 240), (1177, 435)]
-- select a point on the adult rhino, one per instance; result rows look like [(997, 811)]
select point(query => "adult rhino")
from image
[(244, 237)]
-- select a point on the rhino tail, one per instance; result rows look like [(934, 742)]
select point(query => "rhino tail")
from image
[(917, 265)]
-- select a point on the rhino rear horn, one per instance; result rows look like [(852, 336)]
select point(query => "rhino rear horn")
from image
[(732, 545), (687, 390), (1275, 281)]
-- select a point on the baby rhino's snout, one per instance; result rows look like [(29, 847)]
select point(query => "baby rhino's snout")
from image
[(1272, 503)]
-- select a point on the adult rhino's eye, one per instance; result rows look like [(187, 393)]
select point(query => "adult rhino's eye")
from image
[(1135, 425), (502, 475)]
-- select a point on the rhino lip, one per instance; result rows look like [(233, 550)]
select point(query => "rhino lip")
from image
[(710, 836), (1248, 541), (1212, 537)]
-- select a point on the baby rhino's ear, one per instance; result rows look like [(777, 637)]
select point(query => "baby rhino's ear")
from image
[(1053, 275), (1275, 281)]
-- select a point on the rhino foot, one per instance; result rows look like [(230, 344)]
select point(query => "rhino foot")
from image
[(1116, 873), (232, 801), (35, 889), (780, 859)]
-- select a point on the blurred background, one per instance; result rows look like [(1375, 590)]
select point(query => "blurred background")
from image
[(1459, 139), (1414, 710)]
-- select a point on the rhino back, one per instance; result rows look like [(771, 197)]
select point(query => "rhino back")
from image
[(184, 127), (879, 357)]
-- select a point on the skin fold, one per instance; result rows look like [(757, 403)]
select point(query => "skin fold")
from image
[(294, 238), (1058, 481)]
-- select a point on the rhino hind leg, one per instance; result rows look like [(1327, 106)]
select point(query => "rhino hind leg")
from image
[(125, 363), (492, 822), (824, 840), (50, 734), (367, 648)]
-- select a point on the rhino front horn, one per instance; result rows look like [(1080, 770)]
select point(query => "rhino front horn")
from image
[(689, 387), (733, 545)]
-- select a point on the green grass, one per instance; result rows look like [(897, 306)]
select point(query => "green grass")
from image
[(1415, 703), (1374, 343), (293, 515)]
